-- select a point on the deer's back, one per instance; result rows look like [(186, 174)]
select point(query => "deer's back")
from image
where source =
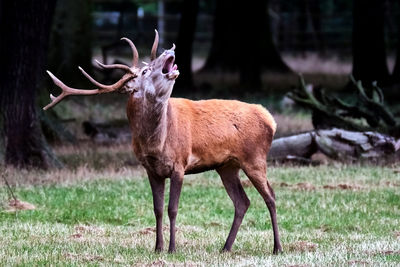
[(222, 130)]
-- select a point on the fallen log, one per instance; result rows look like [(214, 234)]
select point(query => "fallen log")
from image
[(337, 144)]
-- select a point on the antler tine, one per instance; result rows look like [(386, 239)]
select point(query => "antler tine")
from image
[(173, 47), (154, 48), (66, 90), (109, 88), (134, 51), (64, 93), (113, 66)]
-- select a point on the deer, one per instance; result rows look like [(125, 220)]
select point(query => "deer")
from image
[(172, 137)]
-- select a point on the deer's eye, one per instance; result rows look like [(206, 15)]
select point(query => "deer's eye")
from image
[(144, 72)]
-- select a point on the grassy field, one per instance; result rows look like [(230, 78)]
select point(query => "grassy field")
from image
[(328, 216)]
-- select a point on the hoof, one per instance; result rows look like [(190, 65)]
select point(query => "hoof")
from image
[(277, 251), (225, 250)]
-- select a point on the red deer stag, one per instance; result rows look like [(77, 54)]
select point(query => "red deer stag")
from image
[(173, 137)]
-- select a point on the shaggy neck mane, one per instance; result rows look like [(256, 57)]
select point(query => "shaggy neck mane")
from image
[(149, 122)]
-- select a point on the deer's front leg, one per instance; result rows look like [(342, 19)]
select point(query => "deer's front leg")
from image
[(174, 194), (157, 188)]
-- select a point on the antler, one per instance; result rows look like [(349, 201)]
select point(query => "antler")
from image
[(134, 51), (66, 90), (113, 66), (154, 48)]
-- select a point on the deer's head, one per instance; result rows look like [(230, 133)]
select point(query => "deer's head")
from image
[(154, 81)]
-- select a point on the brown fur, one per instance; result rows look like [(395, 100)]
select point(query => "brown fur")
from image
[(209, 133)]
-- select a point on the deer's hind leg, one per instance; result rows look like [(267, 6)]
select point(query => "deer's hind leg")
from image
[(256, 172), (231, 181)]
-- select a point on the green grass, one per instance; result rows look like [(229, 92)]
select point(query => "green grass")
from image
[(110, 221)]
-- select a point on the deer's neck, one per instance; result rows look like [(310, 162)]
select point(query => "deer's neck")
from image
[(149, 123)]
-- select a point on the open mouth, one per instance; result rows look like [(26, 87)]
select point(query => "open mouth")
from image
[(169, 65)]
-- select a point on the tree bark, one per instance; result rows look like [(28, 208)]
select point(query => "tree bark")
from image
[(233, 41), (250, 44), (315, 16), (302, 19), (369, 54), (24, 27), (71, 42), (395, 78), (187, 29)]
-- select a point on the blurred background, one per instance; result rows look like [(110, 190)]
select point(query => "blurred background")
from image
[(251, 51)]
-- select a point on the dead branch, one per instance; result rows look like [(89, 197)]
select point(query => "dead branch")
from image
[(332, 112), (10, 191)]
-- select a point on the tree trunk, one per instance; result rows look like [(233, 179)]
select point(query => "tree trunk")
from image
[(250, 45), (24, 27), (369, 55), (187, 28), (302, 19), (224, 44), (70, 42), (396, 71), (234, 24), (315, 16)]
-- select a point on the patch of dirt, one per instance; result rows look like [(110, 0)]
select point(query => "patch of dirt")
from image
[(150, 230), (390, 184), (388, 252), (343, 187), (147, 230), (215, 224), (305, 186), (88, 229), (81, 230), (299, 186), (77, 235), (83, 257), (165, 263), (358, 262), (158, 263), (302, 246), (397, 234), (17, 205), (383, 252)]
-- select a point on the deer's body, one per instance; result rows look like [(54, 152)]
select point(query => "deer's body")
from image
[(197, 136), (173, 137)]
